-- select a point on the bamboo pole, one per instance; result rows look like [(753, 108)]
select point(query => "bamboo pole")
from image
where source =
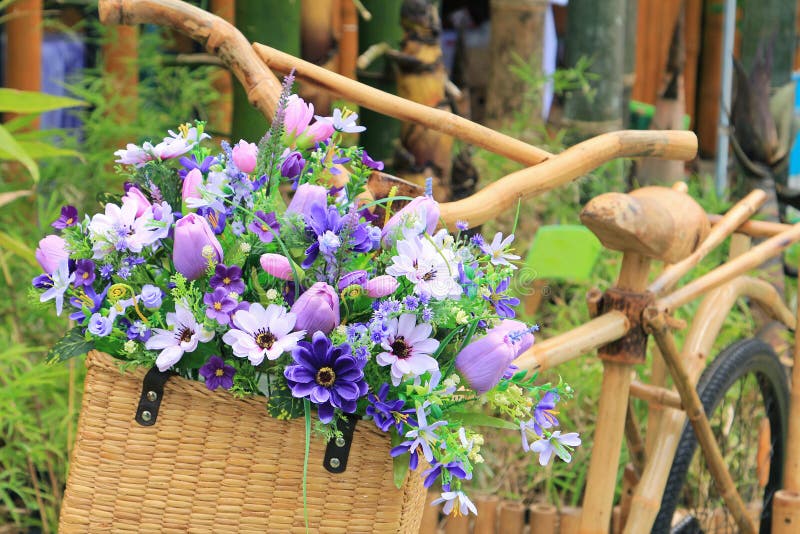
[(724, 273), (657, 321), (740, 212), (755, 228), (570, 520), (580, 340), (486, 520), (396, 107), (543, 518), (218, 36), (634, 440), (656, 395), (348, 43), (512, 517), (221, 114), (630, 479), (786, 512), (456, 524), (24, 46), (572, 163)]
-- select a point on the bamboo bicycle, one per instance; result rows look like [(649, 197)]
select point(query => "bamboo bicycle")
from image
[(745, 386)]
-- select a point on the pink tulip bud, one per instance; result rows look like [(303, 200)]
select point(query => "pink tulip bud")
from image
[(245, 155), (137, 197), (297, 116), (317, 309), (421, 215), (319, 131), (51, 252), (277, 265), (381, 286), (195, 246), (191, 184)]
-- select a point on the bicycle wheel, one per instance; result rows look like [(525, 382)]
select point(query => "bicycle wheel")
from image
[(745, 395)]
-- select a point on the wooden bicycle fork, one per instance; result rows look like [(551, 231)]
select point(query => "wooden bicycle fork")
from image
[(646, 316)]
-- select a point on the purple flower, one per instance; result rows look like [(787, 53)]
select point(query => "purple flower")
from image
[(84, 273), (61, 278), (388, 413), (191, 185), (217, 373), (305, 197), (244, 156), (216, 219), (51, 251), (408, 348), (518, 333), (99, 326), (69, 217), (133, 194), (292, 165), (191, 163), (421, 215), (319, 222), (264, 225), (260, 333), (544, 414), (462, 225), (220, 305), (483, 362), (497, 250), (557, 444), (327, 375), (456, 469), (411, 303), (151, 296), (91, 300), (195, 246), (502, 303), (342, 122), (317, 309), (229, 278), (186, 334), (420, 438), (353, 278), (43, 281), (371, 163), (138, 331)]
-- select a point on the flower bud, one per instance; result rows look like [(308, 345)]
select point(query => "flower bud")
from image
[(520, 334), (483, 362), (137, 197), (381, 286), (421, 214), (317, 309), (245, 155), (151, 296), (296, 116), (52, 250), (317, 132), (357, 278), (191, 183), (277, 265), (192, 236), (292, 165), (308, 195)]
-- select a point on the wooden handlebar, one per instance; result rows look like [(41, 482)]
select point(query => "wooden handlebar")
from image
[(567, 166)]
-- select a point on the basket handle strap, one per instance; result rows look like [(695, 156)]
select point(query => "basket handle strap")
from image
[(338, 449), (152, 392)]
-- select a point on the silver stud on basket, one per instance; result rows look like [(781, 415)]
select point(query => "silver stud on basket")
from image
[(340, 441), (335, 462), (146, 415), (152, 396)]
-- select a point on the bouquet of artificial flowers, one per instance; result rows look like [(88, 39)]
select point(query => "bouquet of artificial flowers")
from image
[(333, 304)]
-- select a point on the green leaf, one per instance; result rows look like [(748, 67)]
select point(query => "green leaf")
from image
[(18, 153), (71, 345), (480, 419), (281, 404), (399, 463), (19, 248), (563, 252), (15, 101), (39, 150)]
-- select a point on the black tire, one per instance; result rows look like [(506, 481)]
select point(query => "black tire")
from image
[(752, 362)]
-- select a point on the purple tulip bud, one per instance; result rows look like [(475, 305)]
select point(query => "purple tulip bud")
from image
[(483, 362), (193, 180), (245, 155), (292, 165), (137, 197), (52, 251), (421, 214), (519, 333), (317, 309), (195, 246), (353, 278), (308, 195), (381, 286), (277, 265)]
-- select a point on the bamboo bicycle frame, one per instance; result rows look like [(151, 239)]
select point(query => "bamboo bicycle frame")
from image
[(720, 288)]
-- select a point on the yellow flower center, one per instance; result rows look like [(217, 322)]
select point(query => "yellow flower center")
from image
[(85, 275), (70, 220), (264, 227), (219, 372), (226, 281), (217, 306), (326, 377)]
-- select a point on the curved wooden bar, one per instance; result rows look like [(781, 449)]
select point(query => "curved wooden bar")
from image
[(567, 166), (403, 109), (218, 36)]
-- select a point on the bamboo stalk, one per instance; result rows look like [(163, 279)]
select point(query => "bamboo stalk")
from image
[(656, 395), (574, 162), (512, 517), (348, 43), (655, 409), (486, 520), (616, 520), (402, 109), (218, 36), (724, 273), (630, 479), (456, 524), (543, 517), (785, 512), (739, 213), (570, 520), (580, 340), (756, 228), (791, 473), (697, 416), (24, 47), (633, 437)]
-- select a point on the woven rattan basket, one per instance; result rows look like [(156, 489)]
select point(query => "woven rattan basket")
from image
[(213, 463)]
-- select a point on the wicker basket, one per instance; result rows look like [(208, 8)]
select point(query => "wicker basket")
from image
[(212, 463)]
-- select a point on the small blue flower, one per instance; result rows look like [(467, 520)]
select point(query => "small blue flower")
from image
[(388, 413), (502, 303), (455, 469)]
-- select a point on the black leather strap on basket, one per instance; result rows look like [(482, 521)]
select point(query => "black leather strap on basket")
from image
[(338, 449), (152, 392)]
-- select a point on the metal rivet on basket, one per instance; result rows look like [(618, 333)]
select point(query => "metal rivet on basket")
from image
[(335, 463), (152, 396), (146, 416), (340, 441)]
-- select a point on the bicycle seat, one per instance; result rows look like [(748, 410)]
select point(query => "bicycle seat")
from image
[(657, 222)]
